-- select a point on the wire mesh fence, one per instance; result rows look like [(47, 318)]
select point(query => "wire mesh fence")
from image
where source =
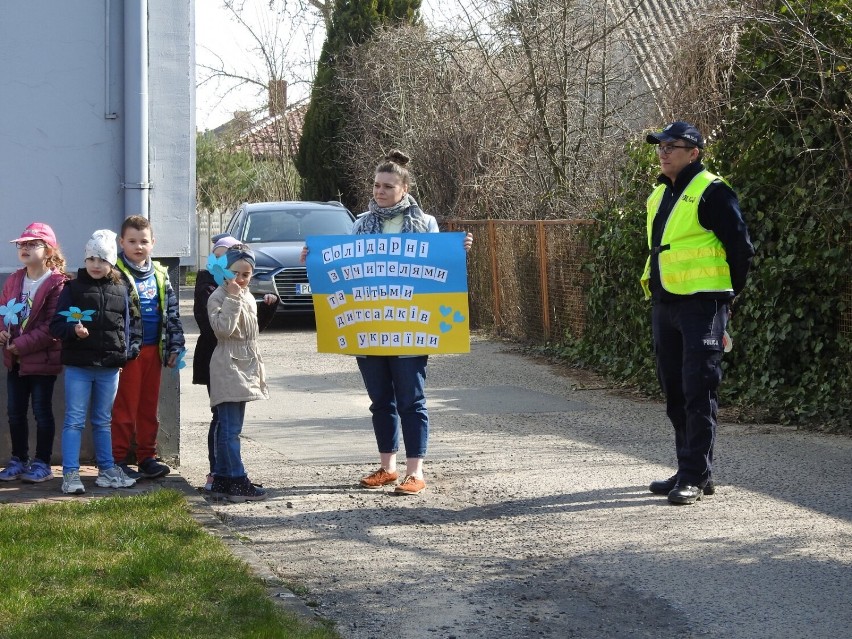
[(525, 277), (526, 280)]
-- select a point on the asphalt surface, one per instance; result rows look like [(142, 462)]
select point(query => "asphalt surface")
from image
[(536, 521)]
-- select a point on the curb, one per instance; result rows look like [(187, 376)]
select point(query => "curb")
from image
[(204, 514)]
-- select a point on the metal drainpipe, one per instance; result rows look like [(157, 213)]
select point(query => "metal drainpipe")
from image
[(136, 184)]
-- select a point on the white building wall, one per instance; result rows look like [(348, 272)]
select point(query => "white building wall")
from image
[(62, 131), (61, 159), (172, 125), (61, 124)]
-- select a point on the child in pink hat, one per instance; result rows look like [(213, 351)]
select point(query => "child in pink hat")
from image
[(31, 355)]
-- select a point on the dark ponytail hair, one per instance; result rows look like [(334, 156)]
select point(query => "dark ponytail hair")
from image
[(396, 162)]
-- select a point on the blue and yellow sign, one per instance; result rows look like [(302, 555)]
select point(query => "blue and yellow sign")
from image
[(390, 294)]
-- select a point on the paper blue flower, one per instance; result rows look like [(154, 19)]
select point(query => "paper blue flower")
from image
[(10, 311), (74, 314), (218, 267)]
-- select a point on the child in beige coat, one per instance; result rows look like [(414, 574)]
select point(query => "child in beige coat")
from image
[(236, 373)]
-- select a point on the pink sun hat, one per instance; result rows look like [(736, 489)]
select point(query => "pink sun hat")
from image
[(37, 231)]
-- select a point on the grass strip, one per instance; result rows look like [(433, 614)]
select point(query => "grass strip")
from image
[(136, 566)]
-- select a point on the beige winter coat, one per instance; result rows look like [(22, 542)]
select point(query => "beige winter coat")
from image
[(236, 368)]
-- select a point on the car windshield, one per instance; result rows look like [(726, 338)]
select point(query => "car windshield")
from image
[(295, 225)]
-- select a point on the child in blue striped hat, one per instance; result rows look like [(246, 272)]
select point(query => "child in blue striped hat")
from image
[(237, 373)]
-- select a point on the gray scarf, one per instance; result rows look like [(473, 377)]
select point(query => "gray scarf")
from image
[(414, 220)]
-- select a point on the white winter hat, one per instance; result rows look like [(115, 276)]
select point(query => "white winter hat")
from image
[(102, 245)]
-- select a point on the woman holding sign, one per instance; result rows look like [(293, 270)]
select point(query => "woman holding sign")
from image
[(396, 383)]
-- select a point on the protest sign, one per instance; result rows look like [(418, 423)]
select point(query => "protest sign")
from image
[(390, 294)]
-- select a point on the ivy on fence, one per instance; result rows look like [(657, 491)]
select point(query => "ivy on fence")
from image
[(786, 147)]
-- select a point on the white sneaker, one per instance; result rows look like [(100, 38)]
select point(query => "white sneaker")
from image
[(113, 478), (71, 484)]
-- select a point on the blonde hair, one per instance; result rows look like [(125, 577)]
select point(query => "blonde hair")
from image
[(396, 162), (54, 258)]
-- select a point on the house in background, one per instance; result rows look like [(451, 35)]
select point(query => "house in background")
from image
[(270, 136), (97, 123)]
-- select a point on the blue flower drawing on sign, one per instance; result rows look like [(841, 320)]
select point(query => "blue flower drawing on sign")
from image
[(218, 268), (10, 311), (447, 312), (75, 314)]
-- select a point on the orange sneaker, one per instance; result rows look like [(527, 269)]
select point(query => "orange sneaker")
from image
[(379, 478), (411, 485)]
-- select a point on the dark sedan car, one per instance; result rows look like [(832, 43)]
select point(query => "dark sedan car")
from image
[(276, 231)]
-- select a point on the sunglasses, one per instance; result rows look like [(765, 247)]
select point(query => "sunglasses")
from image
[(665, 149)]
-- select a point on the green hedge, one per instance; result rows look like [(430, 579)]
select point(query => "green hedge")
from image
[(785, 147)]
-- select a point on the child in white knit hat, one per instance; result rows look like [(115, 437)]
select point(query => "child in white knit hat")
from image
[(100, 325)]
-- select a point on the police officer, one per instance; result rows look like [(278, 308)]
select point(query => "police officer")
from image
[(700, 253)]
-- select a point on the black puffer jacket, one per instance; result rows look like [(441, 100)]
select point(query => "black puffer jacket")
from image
[(115, 330)]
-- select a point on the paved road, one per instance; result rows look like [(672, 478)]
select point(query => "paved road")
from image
[(537, 522)]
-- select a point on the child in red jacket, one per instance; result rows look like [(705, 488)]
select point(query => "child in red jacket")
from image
[(30, 353)]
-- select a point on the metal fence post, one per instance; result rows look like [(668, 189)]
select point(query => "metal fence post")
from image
[(542, 266), (495, 274)]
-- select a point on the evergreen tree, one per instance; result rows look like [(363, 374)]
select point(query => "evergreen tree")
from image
[(324, 172)]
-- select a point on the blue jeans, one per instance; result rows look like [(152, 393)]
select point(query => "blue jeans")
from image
[(396, 386), (228, 463), (20, 389), (82, 386), (688, 348), (211, 435)]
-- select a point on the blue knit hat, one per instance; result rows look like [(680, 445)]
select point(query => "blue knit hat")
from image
[(239, 252)]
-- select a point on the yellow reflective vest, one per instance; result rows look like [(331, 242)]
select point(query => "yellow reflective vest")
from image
[(691, 258), (161, 274)]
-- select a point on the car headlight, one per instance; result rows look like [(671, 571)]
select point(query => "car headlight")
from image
[(263, 273), (262, 286), (262, 281)]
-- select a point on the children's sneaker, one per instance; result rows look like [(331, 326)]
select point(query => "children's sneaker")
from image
[(113, 478), (152, 469), (411, 485), (127, 470), (14, 469), (71, 484), (37, 472), (241, 490), (379, 478), (219, 487)]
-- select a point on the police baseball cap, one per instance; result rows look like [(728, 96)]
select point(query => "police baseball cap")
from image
[(677, 131)]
